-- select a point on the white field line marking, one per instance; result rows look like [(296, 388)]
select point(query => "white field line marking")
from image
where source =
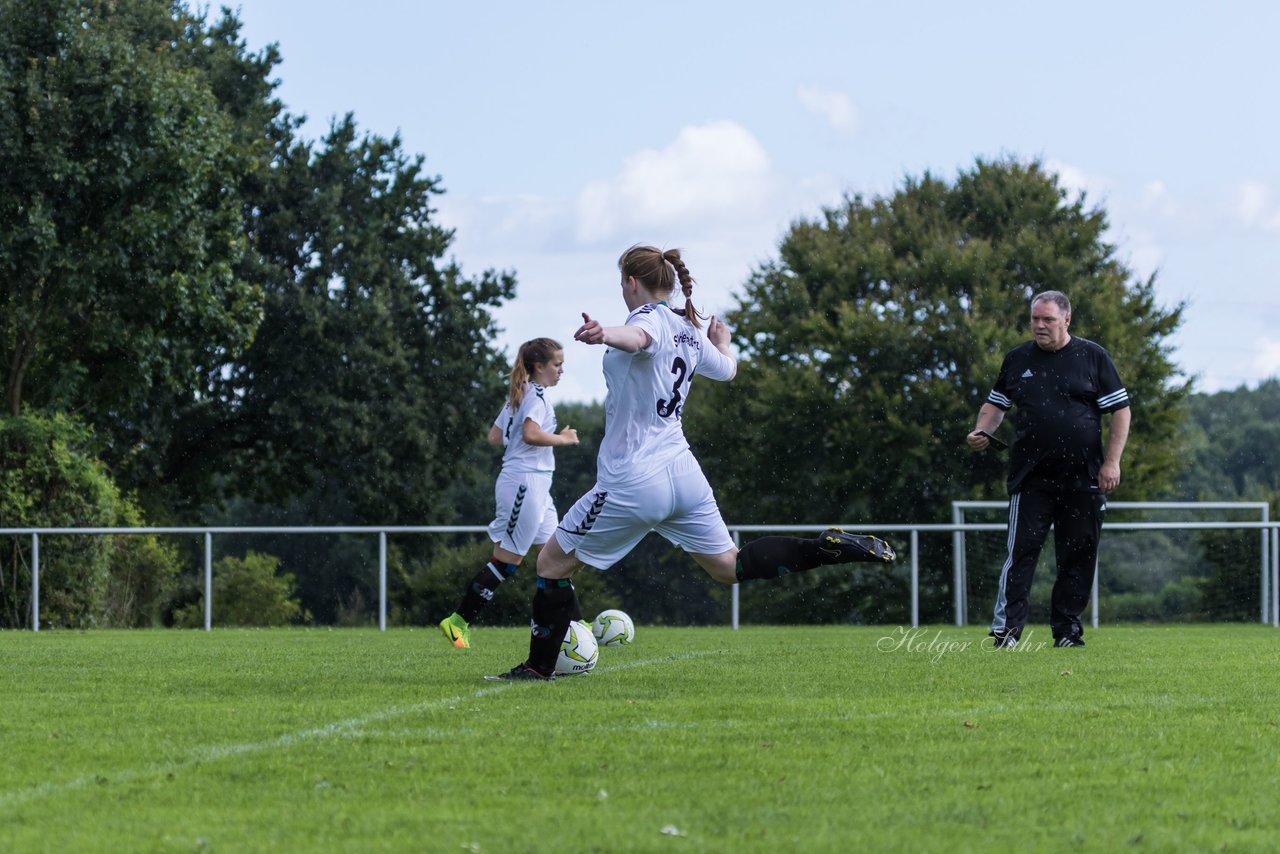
[(337, 729)]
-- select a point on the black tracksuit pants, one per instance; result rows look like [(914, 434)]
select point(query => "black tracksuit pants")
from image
[(1076, 519)]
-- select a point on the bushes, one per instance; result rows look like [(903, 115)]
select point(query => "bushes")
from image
[(247, 591), (1181, 600), (430, 589), (49, 479)]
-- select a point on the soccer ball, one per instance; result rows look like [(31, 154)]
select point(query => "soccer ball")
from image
[(579, 651), (613, 627)]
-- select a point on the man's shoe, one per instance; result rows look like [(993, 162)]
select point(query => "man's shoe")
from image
[(456, 631), (1003, 641), (836, 546), (521, 673), (1069, 640)]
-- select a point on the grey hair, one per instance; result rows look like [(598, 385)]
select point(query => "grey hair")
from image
[(1056, 297)]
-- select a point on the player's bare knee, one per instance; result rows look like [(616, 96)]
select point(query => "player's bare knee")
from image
[(720, 567)]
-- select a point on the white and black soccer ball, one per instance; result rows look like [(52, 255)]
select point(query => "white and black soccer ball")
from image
[(579, 651), (613, 627)]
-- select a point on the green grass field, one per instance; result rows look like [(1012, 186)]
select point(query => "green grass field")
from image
[(765, 739)]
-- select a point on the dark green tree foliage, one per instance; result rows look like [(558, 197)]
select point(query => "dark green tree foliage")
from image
[(575, 465), (1233, 448), (48, 478), (373, 366), (120, 232), (1233, 439), (159, 213), (870, 344), (151, 452)]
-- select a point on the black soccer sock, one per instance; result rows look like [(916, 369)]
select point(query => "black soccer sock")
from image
[(553, 604), (482, 587), (770, 557)]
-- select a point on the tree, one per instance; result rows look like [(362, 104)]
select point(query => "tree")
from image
[(120, 230), (1231, 441), (160, 215), (869, 345), (373, 365), (49, 478)]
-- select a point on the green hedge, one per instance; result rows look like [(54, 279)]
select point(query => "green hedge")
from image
[(50, 478)]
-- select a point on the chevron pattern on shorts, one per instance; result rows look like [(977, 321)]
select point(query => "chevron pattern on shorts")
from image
[(515, 509)]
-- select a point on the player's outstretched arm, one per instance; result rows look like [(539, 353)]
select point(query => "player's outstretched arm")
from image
[(629, 339)]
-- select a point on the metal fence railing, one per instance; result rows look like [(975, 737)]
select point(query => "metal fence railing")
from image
[(1270, 531), (1269, 596)]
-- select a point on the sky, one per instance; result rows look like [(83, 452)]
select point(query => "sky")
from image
[(563, 132)]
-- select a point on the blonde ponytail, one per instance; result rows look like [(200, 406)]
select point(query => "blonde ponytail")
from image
[(531, 353)]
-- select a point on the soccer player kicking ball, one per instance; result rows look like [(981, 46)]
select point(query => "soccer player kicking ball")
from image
[(646, 476)]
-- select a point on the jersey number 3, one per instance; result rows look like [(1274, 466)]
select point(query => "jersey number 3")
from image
[(667, 408)]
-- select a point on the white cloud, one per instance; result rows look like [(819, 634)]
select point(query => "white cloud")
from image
[(833, 107), (1146, 258), (1073, 179), (1267, 358), (505, 224), (1257, 208), (711, 191), (1157, 199), (712, 172)]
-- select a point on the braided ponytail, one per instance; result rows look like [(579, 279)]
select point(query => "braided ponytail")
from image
[(658, 271), (672, 257)]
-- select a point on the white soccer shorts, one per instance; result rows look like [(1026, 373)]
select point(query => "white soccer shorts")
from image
[(525, 515), (607, 523)]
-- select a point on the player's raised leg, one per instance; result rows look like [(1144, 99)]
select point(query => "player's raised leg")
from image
[(770, 557)]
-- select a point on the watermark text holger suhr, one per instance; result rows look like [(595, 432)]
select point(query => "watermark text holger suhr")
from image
[(934, 646)]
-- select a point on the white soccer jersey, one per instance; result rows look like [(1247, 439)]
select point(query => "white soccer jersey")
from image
[(519, 455), (647, 391)]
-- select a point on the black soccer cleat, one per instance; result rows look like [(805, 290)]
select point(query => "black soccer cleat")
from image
[(1003, 641), (522, 673), (1069, 640), (836, 546)]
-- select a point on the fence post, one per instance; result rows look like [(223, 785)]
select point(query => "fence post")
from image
[(915, 578), (733, 591), (1266, 553), (382, 581), (35, 582), (208, 581), (957, 564)]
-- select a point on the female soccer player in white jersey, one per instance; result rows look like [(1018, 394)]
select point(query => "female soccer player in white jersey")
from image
[(647, 478), (525, 515)]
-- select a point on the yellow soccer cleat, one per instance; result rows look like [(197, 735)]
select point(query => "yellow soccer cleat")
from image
[(456, 631)]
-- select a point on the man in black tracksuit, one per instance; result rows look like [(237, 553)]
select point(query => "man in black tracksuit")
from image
[(1058, 474)]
